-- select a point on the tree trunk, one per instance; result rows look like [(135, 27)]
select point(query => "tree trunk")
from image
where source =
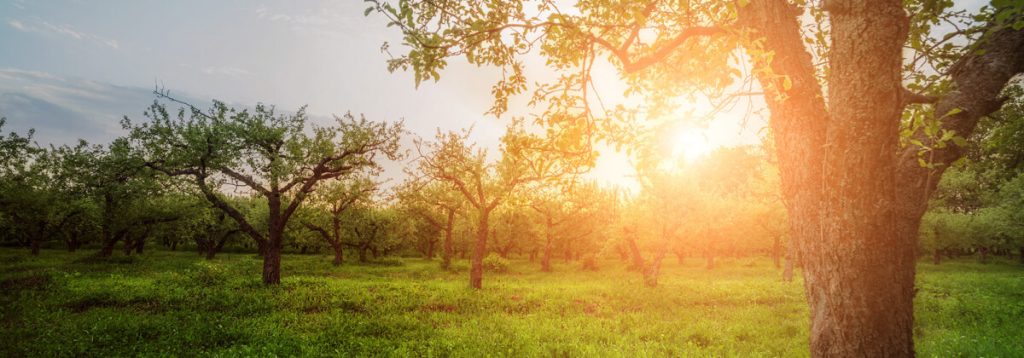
[(430, 249), (777, 251), (680, 256), (174, 246), (362, 255), (128, 246), (545, 259), (638, 259), (339, 254), (34, 246), (476, 270), (710, 260), (983, 254), (446, 259), (139, 245), (107, 249), (936, 256), (651, 272), (272, 264), (1022, 255), (73, 242)]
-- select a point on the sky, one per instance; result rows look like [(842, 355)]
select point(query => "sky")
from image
[(72, 69)]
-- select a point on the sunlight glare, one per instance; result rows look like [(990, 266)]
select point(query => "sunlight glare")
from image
[(690, 144)]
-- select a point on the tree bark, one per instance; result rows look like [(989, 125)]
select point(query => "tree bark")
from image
[(777, 252), (651, 272), (545, 259), (339, 254), (272, 248), (272, 264), (446, 259), (363, 254), (476, 271), (634, 251), (73, 243), (936, 256), (34, 246)]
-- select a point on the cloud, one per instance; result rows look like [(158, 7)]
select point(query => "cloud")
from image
[(226, 71), (327, 20), (64, 109), (47, 28)]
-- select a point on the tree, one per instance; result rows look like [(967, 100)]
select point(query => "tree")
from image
[(438, 204), (854, 195), (373, 230), (558, 207), (329, 206), (276, 157), (483, 184)]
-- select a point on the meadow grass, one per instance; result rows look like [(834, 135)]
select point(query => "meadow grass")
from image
[(177, 304)]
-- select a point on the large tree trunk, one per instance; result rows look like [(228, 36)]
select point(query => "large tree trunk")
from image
[(858, 257), (860, 272), (272, 248), (476, 270), (272, 263)]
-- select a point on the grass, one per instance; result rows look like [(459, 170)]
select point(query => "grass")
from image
[(176, 304)]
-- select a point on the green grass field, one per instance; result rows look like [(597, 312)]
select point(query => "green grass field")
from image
[(176, 304)]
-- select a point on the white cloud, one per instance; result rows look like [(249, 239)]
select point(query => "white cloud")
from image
[(18, 25), (44, 27), (226, 71)]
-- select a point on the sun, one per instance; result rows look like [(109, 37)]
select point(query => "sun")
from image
[(690, 144)]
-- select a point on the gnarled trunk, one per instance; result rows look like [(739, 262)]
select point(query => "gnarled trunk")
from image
[(476, 270)]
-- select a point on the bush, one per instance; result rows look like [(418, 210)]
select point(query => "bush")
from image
[(495, 263), (209, 274)]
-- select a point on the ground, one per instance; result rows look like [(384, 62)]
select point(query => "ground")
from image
[(175, 303)]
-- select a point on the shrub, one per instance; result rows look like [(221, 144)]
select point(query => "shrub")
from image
[(209, 274), (495, 263)]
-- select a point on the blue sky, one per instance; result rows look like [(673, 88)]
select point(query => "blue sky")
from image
[(72, 68)]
